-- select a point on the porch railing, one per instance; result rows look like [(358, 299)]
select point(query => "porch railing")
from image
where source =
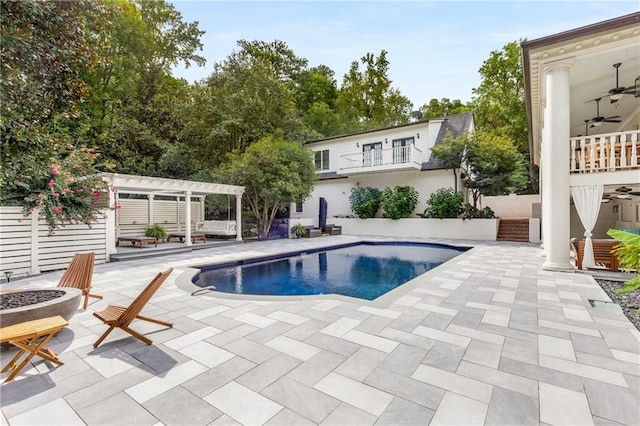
[(606, 152), (382, 158)]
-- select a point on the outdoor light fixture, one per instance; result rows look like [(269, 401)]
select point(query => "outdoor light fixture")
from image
[(385, 140), (418, 135), (357, 145), (616, 96), (8, 275), (596, 124)]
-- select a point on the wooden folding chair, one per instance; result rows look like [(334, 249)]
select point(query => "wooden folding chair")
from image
[(121, 316), (31, 337), (79, 274)]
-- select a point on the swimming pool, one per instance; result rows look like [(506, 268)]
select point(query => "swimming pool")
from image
[(364, 270)]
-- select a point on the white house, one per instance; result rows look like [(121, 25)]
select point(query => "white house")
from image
[(398, 155), (588, 149)]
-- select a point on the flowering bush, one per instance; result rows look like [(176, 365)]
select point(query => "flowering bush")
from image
[(69, 191)]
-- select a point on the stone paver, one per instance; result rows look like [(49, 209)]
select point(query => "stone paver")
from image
[(488, 337)]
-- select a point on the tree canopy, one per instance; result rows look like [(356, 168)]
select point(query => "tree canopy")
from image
[(275, 173), (490, 163)]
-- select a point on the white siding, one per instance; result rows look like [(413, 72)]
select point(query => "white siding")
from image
[(26, 248), (133, 215)]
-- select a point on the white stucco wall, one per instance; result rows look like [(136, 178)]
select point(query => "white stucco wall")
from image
[(511, 205), (475, 229), (337, 191)]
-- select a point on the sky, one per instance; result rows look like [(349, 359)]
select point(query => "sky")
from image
[(435, 48)]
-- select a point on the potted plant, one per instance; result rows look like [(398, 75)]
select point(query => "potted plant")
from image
[(298, 230), (155, 231)]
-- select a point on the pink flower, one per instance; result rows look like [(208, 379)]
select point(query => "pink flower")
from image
[(54, 170), (57, 209), (116, 205), (66, 191), (52, 182), (56, 194)]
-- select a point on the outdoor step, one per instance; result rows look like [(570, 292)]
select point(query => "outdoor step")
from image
[(513, 230)]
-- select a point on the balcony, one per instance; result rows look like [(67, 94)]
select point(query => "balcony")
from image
[(389, 159)]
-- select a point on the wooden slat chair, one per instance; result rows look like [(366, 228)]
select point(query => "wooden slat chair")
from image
[(79, 274), (601, 253), (31, 337), (121, 316)]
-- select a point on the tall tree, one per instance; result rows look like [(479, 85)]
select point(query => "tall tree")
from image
[(490, 164), (275, 173), (443, 107), (132, 114), (248, 96), (366, 99), (46, 47), (499, 101)]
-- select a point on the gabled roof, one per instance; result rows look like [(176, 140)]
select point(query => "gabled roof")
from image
[(454, 125), (364, 132)]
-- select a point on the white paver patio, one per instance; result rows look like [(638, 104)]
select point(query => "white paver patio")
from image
[(488, 337)]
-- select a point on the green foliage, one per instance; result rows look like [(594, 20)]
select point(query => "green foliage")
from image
[(366, 99), (65, 191), (155, 231), (298, 230), (399, 202), (275, 173), (365, 201), (443, 107), (490, 164), (628, 253), (471, 212), (499, 102), (444, 203)]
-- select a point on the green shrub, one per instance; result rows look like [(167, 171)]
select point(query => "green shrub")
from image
[(399, 202), (470, 212), (365, 201), (298, 230), (155, 231), (444, 203), (628, 253)]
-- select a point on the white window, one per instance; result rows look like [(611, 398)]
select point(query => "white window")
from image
[(372, 154), (322, 160), (402, 150)]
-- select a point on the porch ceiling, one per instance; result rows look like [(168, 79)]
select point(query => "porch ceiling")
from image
[(592, 51), (145, 184)]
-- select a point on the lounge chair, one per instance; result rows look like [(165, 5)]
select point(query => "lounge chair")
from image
[(31, 337), (79, 274), (601, 253), (121, 316)]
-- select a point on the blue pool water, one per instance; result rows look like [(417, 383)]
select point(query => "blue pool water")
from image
[(366, 271)]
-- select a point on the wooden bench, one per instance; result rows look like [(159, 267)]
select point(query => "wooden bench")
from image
[(601, 253), (31, 337), (181, 236), (140, 240)]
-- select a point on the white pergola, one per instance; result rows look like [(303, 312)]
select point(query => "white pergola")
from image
[(152, 186)]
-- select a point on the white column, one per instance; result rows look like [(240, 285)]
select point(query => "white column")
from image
[(187, 218), (238, 217), (556, 191), (150, 212), (543, 179), (110, 225)]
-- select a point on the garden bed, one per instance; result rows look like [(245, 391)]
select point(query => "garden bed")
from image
[(629, 302)]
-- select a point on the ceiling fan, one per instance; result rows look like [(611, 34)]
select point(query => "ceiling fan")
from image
[(618, 92), (621, 193), (598, 119)]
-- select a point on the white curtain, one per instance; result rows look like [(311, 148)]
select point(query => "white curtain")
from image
[(587, 199)]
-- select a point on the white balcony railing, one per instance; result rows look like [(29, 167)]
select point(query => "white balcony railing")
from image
[(605, 153), (398, 158)]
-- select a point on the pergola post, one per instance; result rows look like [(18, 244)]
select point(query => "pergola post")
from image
[(187, 218), (239, 217)]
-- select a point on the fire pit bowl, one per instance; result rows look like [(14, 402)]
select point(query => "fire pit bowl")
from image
[(27, 305)]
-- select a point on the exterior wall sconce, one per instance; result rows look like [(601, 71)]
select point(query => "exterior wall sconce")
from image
[(385, 140), (357, 145), (418, 135)]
